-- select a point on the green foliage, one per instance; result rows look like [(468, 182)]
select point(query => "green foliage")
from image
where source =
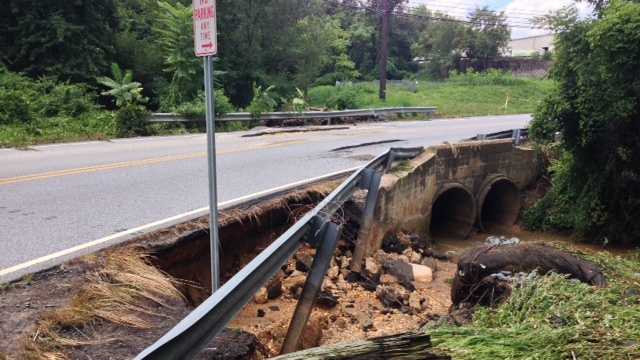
[(551, 317), (263, 101), (596, 108), (174, 34), (490, 77), (488, 34), (196, 108), (131, 120), (23, 100), (122, 87), (452, 99), (69, 40), (441, 44)]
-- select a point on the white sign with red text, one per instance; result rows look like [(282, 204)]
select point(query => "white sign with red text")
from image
[(204, 27)]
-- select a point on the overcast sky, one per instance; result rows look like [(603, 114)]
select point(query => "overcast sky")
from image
[(518, 11)]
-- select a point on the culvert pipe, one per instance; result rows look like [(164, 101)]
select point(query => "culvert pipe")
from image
[(453, 213), (498, 204)]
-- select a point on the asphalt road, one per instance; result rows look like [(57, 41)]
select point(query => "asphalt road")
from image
[(54, 197)]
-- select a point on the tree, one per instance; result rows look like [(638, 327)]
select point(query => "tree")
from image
[(122, 87), (487, 36), (440, 44), (596, 107), (71, 40), (321, 44)]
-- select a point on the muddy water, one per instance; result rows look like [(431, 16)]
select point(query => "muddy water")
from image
[(455, 247)]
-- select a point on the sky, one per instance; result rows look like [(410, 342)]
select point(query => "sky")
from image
[(519, 12)]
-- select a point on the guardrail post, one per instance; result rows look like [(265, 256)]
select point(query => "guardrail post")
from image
[(328, 241), (481, 137), (373, 184), (516, 137)]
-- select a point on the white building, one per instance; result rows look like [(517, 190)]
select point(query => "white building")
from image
[(528, 45)]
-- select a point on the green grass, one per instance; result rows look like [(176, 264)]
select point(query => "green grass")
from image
[(555, 318), (452, 98)]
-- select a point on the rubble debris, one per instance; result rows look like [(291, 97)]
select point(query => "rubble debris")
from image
[(233, 345), (395, 243), (392, 296), (476, 281), (274, 287), (501, 241), (422, 275), (326, 300), (261, 297), (294, 284), (371, 269), (260, 313), (303, 262)]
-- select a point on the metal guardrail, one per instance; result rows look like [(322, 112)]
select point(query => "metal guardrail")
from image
[(307, 115), (195, 331)]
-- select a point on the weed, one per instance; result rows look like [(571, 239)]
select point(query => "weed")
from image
[(552, 317)]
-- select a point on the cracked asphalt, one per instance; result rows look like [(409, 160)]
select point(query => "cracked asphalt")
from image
[(53, 197)]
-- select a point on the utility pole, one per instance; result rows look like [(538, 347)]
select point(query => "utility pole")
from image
[(384, 48)]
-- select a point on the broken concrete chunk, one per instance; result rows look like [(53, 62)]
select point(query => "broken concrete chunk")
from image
[(371, 268), (274, 288), (387, 279), (261, 296), (303, 262), (392, 296), (293, 284), (422, 275), (326, 300), (415, 302), (333, 272), (402, 270)]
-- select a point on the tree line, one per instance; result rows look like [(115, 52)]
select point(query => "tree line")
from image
[(287, 44)]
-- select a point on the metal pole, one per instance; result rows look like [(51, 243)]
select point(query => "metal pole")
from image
[(322, 260), (384, 49), (213, 188)]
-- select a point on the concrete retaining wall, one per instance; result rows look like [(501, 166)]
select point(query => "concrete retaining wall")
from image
[(408, 195)]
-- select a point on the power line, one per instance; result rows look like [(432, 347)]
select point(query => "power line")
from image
[(518, 13), (430, 17)]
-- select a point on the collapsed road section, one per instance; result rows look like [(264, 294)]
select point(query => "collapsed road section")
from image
[(300, 270)]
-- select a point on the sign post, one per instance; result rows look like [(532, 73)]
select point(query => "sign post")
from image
[(206, 46)]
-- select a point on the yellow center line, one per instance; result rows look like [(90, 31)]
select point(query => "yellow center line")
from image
[(128, 164)]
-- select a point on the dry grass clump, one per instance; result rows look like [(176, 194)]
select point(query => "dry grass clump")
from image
[(127, 291)]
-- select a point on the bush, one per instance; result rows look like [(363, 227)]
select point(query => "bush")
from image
[(336, 98), (131, 120), (490, 77), (262, 101), (196, 108), (597, 107), (22, 100)]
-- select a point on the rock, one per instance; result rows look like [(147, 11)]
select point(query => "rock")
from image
[(387, 279), (297, 273), (392, 296), (326, 300), (293, 284), (402, 270), (312, 333), (231, 345), (422, 275), (415, 302), (261, 297), (261, 313), (341, 323), (430, 262), (274, 308), (274, 288), (371, 268), (413, 256), (632, 293), (396, 243), (303, 262), (333, 272)]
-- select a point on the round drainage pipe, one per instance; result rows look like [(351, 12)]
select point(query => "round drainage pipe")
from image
[(453, 213)]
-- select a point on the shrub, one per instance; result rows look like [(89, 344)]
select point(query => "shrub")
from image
[(336, 97), (131, 120), (596, 108), (490, 77), (262, 101), (14, 107), (196, 108)]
